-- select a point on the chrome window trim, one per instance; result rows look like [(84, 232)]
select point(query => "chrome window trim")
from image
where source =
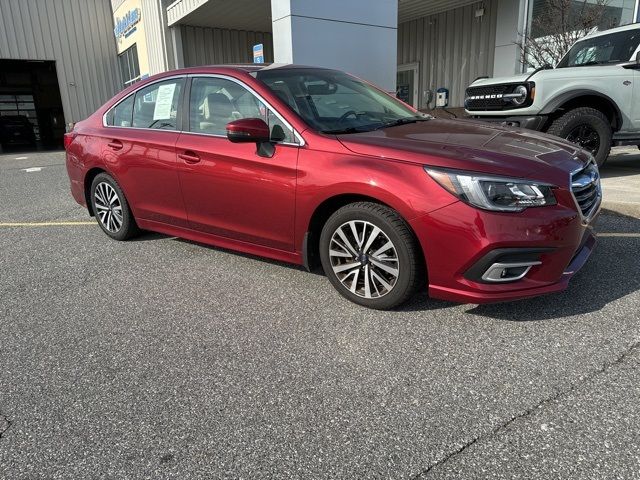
[(104, 116), (217, 135), (296, 134)]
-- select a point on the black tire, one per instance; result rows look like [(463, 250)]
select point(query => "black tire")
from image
[(595, 121), (411, 273), (128, 227)]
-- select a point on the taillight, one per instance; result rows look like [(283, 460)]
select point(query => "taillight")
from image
[(68, 139)]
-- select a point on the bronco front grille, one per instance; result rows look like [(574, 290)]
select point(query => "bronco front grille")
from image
[(496, 97), (486, 98), (585, 186)]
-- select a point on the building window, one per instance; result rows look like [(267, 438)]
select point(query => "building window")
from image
[(129, 66), (616, 13)]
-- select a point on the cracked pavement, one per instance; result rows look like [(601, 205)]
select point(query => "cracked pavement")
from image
[(161, 358), (4, 425)]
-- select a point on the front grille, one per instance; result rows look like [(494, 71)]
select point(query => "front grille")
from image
[(487, 97), (585, 186)]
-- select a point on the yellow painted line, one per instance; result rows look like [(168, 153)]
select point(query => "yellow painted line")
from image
[(613, 234), (44, 224)]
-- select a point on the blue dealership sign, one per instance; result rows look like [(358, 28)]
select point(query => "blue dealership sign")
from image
[(126, 25), (258, 53)]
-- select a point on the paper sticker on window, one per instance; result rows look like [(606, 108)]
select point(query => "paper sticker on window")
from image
[(164, 101)]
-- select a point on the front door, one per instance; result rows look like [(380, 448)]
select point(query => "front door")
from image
[(228, 188)]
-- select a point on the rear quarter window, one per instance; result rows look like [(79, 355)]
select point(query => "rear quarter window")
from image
[(120, 115)]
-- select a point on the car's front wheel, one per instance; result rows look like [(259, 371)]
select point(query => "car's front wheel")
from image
[(371, 256), (586, 127), (111, 208)]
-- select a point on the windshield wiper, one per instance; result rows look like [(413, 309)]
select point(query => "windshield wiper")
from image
[(371, 128), (347, 130), (591, 63), (403, 121)]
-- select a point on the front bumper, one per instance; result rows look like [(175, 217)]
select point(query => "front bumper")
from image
[(531, 122), (457, 239)]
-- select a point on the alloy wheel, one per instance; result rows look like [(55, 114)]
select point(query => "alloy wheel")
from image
[(364, 259), (586, 137), (108, 207)]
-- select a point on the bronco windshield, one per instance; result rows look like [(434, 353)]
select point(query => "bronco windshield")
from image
[(613, 48), (335, 102)]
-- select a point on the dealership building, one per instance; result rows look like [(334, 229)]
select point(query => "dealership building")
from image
[(61, 59)]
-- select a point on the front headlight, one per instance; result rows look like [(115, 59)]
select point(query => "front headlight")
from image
[(493, 193), (522, 93)]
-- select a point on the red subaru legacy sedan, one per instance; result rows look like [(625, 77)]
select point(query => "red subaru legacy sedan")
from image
[(316, 167)]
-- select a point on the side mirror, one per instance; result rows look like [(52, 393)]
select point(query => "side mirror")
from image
[(633, 64), (248, 130)]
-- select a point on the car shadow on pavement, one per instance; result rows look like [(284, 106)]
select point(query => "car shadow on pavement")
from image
[(612, 272), (146, 236)]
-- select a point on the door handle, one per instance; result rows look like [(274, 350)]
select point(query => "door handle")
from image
[(189, 157), (115, 145)]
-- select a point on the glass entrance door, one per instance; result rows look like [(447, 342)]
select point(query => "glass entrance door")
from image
[(407, 84)]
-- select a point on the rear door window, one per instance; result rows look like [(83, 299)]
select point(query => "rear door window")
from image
[(158, 105)]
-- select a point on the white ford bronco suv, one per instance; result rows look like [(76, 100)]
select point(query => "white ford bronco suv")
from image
[(591, 97)]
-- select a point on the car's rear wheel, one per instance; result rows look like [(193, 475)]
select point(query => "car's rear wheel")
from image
[(111, 208), (586, 127), (371, 256)]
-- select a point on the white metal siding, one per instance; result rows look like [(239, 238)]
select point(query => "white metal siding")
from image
[(182, 8), (157, 35), (452, 48), (77, 35), (412, 9), (209, 46)]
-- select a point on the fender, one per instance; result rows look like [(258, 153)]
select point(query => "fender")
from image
[(555, 103)]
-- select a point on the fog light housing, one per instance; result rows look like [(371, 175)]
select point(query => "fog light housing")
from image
[(508, 272)]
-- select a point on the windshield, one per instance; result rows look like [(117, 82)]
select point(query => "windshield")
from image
[(613, 48), (335, 102)]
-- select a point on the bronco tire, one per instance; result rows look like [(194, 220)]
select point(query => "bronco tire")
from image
[(586, 127)]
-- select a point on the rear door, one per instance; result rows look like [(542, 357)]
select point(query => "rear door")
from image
[(140, 149), (229, 189)]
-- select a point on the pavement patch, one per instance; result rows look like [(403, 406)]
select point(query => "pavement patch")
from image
[(43, 224), (619, 234)]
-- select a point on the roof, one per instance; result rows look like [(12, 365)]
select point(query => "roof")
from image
[(255, 67), (631, 26)]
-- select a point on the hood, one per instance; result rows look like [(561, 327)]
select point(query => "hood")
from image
[(474, 146), (499, 80), (556, 73)]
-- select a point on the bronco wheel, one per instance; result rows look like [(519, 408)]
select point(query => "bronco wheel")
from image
[(371, 256), (587, 128), (111, 208)]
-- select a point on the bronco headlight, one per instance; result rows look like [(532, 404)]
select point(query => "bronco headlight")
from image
[(519, 95), (494, 193)]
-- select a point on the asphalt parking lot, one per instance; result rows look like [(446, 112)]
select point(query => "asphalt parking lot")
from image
[(161, 358)]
